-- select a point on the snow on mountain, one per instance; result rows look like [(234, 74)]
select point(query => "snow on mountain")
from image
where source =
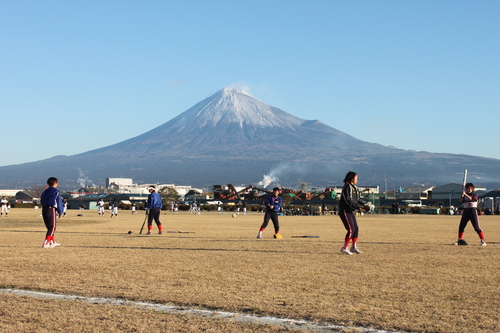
[(234, 106), (233, 117)]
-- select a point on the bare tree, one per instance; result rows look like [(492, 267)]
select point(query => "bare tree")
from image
[(35, 191)]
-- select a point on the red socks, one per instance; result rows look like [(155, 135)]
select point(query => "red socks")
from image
[(346, 243)]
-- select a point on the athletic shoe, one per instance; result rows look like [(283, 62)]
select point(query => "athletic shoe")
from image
[(355, 250), (56, 244), (148, 233), (48, 245), (160, 232), (345, 251), (483, 243), (278, 236), (259, 236)]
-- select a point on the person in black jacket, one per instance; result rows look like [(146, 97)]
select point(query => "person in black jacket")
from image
[(350, 201)]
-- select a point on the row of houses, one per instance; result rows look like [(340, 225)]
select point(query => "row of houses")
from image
[(121, 190)]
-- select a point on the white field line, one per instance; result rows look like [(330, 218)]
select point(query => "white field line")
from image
[(178, 310)]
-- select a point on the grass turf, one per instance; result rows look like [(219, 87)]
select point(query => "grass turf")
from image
[(409, 278)]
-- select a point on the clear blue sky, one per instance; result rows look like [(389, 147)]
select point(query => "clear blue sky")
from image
[(80, 75)]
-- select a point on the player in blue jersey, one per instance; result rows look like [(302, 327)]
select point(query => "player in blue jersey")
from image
[(52, 208), (154, 208), (273, 204)]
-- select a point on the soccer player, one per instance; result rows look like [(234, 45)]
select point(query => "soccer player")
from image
[(469, 201), (273, 205), (154, 209), (51, 204), (350, 201)]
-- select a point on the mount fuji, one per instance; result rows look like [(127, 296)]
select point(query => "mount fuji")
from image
[(232, 137)]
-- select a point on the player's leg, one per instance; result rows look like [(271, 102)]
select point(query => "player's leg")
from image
[(157, 220), (355, 230), (267, 217), (344, 217), (477, 227), (49, 218), (276, 224), (150, 221), (466, 216)]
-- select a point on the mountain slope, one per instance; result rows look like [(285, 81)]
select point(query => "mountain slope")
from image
[(230, 120), (233, 137)]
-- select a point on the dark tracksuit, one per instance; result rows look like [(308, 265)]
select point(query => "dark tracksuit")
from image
[(349, 202), (272, 213), (51, 202)]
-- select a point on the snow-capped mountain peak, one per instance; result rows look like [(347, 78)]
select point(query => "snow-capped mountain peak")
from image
[(232, 106)]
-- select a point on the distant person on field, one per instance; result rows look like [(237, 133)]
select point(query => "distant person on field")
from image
[(154, 209), (65, 207), (350, 201), (133, 209), (114, 208), (244, 208), (52, 208), (469, 201), (4, 204), (100, 207), (273, 205)]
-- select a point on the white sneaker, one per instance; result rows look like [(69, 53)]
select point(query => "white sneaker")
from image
[(483, 243), (47, 244), (345, 251), (355, 250), (55, 244)]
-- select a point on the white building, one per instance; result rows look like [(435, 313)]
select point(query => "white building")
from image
[(126, 185), (119, 181), (8, 193)]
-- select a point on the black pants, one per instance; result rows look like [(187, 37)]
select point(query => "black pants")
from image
[(154, 213), (350, 223), (49, 218), (469, 214), (273, 216)]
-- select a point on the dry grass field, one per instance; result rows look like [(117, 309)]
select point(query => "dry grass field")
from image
[(409, 278)]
